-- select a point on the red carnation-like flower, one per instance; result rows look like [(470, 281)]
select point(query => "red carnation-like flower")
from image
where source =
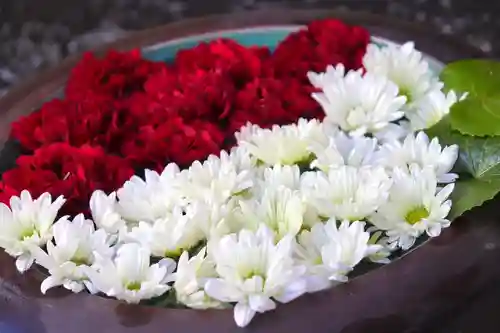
[(174, 140), (224, 56), (117, 75), (94, 121), (60, 169), (269, 101), (197, 94), (324, 42)]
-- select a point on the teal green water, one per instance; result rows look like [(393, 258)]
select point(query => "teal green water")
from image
[(260, 36), (251, 37)]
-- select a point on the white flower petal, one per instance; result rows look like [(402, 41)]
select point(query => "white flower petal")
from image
[(49, 283), (24, 262), (260, 303), (243, 314)]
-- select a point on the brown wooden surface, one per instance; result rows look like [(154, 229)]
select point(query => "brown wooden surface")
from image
[(410, 295)]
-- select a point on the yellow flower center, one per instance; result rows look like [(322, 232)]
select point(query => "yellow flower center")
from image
[(27, 233), (81, 261), (133, 285), (416, 215), (403, 91)]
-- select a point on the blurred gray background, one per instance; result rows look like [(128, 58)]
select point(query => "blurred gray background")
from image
[(39, 33)]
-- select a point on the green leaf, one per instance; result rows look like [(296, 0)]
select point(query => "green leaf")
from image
[(479, 114), (478, 77), (478, 165), (479, 157), (472, 193)]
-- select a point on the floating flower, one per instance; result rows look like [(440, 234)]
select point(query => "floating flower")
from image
[(190, 94), (239, 62), (254, 273), (417, 150), (287, 176), (27, 223), (431, 109), (361, 103), (329, 77), (171, 235), (344, 150), (103, 208), (151, 198), (190, 278), (216, 180), (321, 43), (404, 66), (286, 145), (174, 140), (270, 101), (129, 276), (330, 253), (415, 205), (73, 251), (94, 121), (281, 209), (73, 172), (116, 75), (346, 192)]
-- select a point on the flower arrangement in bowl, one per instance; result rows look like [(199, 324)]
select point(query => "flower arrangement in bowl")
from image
[(244, 177)]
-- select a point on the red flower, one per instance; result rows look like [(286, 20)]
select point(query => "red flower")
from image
[(198, 94), (224, 56), (152, 114), (269, 101), (117, 75), (60, 169), (323, 43), (93, 121), (174, 140)]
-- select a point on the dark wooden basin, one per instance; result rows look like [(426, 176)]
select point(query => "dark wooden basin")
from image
[(409, 295)]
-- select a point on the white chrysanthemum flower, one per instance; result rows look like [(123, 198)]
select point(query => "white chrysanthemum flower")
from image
[(286, 145), (280, 175), (385, 249), (344, 150), (190, 278), (74, 248), (104, 210), (361, 104), (129, 276), (330, 253), (216, 180), (417, 150), (254, 273), (288, 176), (242, 160), (169, 237), (152, 198), (27, 223), (404, 66), (431, 109), (329, 77), (415, 205), (215, 220), (281, 209), (394, 131), (347, 193)]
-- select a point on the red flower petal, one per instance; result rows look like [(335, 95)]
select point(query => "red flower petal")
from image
[(60, 169), (117, 75), (324, 42)]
